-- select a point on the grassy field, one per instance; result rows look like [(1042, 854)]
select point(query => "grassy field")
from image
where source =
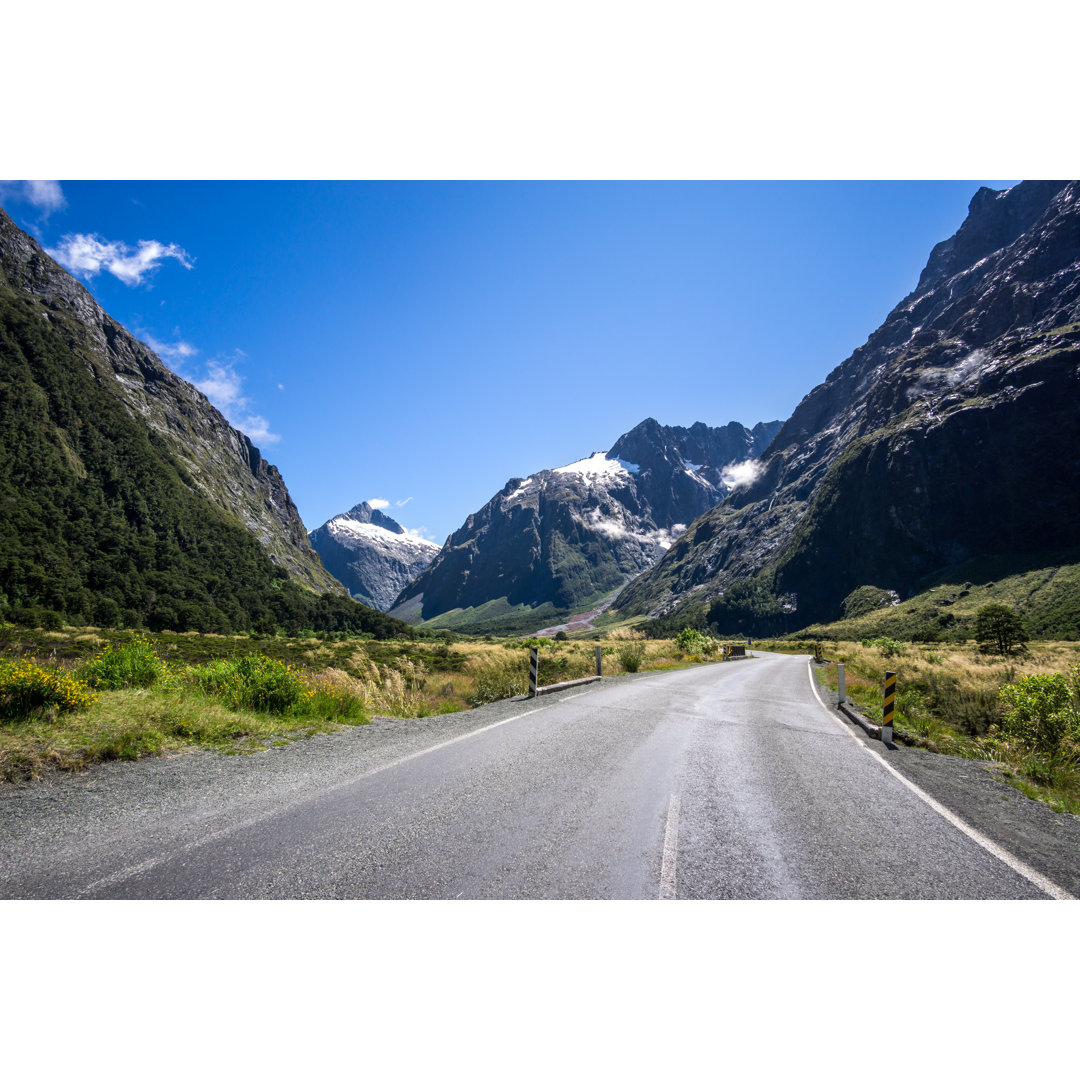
[(73, 697)]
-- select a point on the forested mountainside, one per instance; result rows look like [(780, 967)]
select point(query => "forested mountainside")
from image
[(125, 497), (951, 436)]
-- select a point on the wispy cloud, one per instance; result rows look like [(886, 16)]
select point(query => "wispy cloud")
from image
[(176, 350), (89, 254), (45, 195), (402, 502), (223, 385)]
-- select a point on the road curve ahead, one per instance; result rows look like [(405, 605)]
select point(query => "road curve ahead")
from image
[(719, 781)]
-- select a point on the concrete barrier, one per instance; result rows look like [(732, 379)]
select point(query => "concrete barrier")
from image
[(535, 689), (564, 685)]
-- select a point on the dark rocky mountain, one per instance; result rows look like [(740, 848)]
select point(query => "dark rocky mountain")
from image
[(371, 554), (952, 435), (126, 498), (564, 537)]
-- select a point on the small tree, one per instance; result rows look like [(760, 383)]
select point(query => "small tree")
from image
[(690, 640), (998, 628)]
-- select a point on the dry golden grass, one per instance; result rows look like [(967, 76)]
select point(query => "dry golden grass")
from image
[(398, 679), (947, 701), (968, 669)]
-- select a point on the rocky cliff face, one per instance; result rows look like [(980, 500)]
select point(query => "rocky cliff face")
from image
[(371, 554), (221, 461), (952, 433), (565, 536)]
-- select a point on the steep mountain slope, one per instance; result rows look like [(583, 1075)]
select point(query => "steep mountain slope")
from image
[(125, 498), (953, 433), (221, 461), (565, 536), (371, 554)]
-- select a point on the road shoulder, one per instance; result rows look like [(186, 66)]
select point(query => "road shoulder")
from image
[(977, 793)]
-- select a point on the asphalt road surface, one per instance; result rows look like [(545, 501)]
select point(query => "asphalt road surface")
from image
[(719, 781)]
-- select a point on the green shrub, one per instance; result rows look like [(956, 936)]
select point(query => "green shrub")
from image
[(251, 682), (690, 640), (26, 688), (888, 647), (1042, 712), (133, 664)]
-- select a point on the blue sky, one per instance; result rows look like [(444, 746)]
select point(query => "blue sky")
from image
[(423, 342)]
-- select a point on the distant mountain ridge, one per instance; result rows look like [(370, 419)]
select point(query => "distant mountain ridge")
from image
[(565, 536), (952, 434), (371, 554)]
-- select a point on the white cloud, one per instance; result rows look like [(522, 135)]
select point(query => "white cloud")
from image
[(378, 504), (46, 195), (741, 474), (223, 386), (90, 254), (178, 350), (402, 502)]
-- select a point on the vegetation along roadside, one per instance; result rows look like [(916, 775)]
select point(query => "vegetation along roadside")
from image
[(76, 696), (1019, 709)]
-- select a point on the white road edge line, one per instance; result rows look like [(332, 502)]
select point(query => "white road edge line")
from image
[(157, 860), (671, 850), (1010, 860)]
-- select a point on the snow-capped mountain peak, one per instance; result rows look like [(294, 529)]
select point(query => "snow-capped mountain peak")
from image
[(371, 554)]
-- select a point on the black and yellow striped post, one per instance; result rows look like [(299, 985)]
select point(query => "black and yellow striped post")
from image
[(534, 671), (819, 653), (887, 710)]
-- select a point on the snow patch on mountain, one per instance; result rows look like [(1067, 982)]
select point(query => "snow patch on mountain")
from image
[(343, 527), (600, 465)]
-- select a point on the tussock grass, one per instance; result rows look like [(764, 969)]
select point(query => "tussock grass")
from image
[(166, 693), (949, 701)]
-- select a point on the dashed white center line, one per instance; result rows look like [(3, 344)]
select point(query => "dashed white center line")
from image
[(671, 851)]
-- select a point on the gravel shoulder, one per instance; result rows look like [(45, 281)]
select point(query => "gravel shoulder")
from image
[(978, 794)]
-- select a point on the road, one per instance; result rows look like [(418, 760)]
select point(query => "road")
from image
[(719, 781)]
